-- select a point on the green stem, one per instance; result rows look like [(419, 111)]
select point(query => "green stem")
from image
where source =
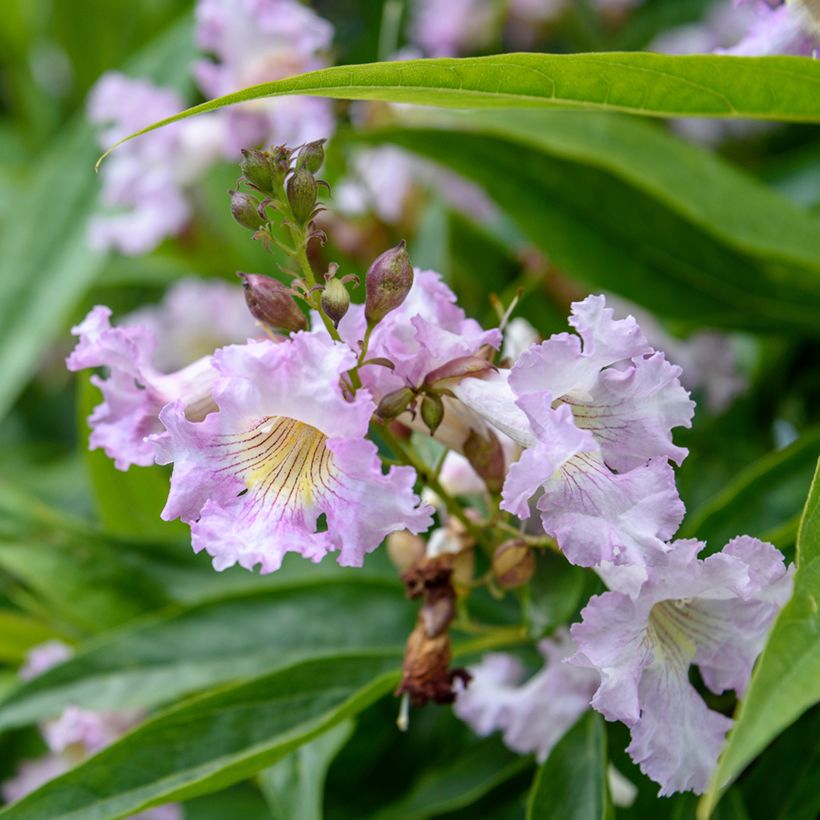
[(453, 507)]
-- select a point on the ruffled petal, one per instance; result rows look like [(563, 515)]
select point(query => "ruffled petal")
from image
[(598, 516), (631, 412)]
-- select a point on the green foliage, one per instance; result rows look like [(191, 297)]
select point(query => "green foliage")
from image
[(660, 85), (571, 783), (575, 211), (213, 741), (294, 786), (181, 651)]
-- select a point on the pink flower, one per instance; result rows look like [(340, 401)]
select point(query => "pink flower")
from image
[(43, 657), (256, 41), (593, 414), (285, 447), (448, 28), (535, 715), (145, 181), (135, 390), (714, 613), (779, 28)]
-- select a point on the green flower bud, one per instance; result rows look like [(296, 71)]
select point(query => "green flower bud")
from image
[(280, 163), (302, 194), (395, 403), (244, 211), (335, 300), (513, 564), (271, 303), (312, 156), (388, 282), (432, 411), (256, 168)]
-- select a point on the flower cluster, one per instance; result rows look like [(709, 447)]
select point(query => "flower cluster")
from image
[(72, 737), (300, 432)]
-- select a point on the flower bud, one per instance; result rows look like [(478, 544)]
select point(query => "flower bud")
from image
[(256, 168), (335, 300), (244, 211), (404, 549), (513, 564), (312, 156), (455, 370), (486, 457), (395, 403), (432, 411), (302, 194), (271, 303), (388, 282), (280, 163)]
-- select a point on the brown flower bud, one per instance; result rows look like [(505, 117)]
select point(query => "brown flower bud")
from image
[(271, 303), (513, 564), (395, 403), (256, 168), (432, 411), (486, 457), (335, 300), (312, 156), (244, 211), (302, 191), (387, 283)]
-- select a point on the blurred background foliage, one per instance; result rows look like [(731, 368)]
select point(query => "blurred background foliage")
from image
[(82, 550)]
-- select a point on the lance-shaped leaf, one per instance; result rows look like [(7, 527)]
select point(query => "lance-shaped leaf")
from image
[(179, 652), (660, 85), (571, 783), (212, 741)]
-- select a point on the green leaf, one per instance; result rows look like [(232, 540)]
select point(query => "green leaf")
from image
[(660, 85), (697, 185), (658, 256), (128, 502), (41, 280), (294, 787), (554, 594), (212, 741), (755, 495), (571, 783), (46, 265), (786, 680), (470, 776), (176, 653), (18, 634)]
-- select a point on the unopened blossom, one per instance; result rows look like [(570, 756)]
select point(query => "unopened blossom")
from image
[(533, 715), (593, 414), (145, 182), (257, 41), (285, 447), (195, 318), (779, 27), (713, 613), (425, 332)]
